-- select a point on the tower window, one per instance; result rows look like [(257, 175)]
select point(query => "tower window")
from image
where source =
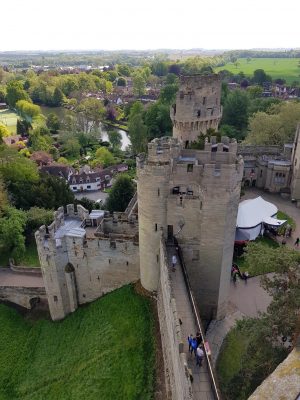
[(198, 113), (261, 173), (55, 298), (190, 167), (155, 227), (158, 192), (204, 100)]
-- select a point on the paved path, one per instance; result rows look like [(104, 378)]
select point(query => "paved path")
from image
[(10, 278), (201, 384)]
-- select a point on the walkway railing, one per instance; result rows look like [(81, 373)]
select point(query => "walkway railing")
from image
[(212, 374)]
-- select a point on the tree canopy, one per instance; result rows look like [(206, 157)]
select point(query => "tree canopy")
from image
[(121, 193)]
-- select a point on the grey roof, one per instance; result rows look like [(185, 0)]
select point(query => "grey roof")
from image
[(71, 227)]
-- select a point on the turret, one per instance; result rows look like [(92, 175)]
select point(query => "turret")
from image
[(197, 108)]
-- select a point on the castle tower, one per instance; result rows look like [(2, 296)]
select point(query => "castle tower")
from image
[(295, 182), (153, 187), (192, 196), (197, 107)]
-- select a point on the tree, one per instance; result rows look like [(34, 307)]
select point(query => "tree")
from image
[(236, 110), (89, 114), (58, 97), (137, 128), (115, 139), (158, 121), (71, 147), (15, 92), (260, 77), (48, 192), (40, 140), (3, 197), (27, 110), (254, 92), (168, 93), (159, 68), (121, 193), (4, 131), (15, 168), (23, 127), (53, 123), (37, 217), (139, 84), (123, 69), (12, 226), (104, 157), (276, 126), (121, 81)]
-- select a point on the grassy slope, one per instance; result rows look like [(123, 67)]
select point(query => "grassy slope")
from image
[(286, 68), (30, 257), (103, 351), (9, 118)]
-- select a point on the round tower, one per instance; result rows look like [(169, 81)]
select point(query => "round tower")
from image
[(152, 189), (197, 107)]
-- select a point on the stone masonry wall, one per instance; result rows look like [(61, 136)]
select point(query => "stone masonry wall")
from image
[(177, 376), (284, 382), (21, 295)]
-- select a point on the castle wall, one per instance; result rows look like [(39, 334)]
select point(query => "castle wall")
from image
[(175, 362), (152, 210), (77, 269)]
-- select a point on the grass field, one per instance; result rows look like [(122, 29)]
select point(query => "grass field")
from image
[(9, 119), (285, 68), (29, 259), (104, 350)]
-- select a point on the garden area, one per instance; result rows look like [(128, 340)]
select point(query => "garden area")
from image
[(105, 350)]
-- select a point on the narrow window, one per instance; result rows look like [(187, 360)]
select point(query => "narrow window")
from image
[(199, 113), (261, 173), (204, 100), (158, 192), (190, 168), (55, 298), (155, 228), (200, 205)]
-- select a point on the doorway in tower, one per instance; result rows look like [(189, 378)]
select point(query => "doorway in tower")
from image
[(170, 233)]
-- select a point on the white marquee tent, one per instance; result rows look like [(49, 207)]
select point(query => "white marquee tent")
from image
[(253, 215)]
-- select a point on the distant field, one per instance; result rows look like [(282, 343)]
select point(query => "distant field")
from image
[(105, 350), (285, 68), (9, 119)]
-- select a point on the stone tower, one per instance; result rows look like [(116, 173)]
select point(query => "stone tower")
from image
[(192, 195), (197, 107), (295, 182)]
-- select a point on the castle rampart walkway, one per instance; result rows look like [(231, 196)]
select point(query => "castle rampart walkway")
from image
[(201, 385), (17, 279)]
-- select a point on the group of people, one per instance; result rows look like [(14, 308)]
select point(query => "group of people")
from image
[(196, 347), (235, 272)]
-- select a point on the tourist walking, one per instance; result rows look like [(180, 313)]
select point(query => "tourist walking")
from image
[(190, 341), (198, 338), (297, 242), (174, 262), (199, 356), (194, 346)]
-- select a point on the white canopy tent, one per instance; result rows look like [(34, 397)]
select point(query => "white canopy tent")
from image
[(253, 215)]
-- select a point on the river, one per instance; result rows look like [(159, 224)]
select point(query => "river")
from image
[(102, 129)]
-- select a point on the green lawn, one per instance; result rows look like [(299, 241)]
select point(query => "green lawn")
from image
[(286, 68), (241, 262), (30, 257), (104, 350), (9, 119)]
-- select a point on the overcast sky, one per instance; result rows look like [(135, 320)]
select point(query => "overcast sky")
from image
[(148, 24)]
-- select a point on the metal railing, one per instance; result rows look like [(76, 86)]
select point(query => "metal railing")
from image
[(212, 374)]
